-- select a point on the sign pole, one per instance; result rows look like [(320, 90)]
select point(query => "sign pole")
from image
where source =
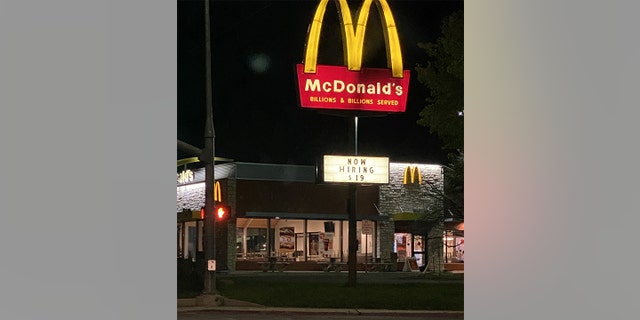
[(366, 244), (355, 122), (351, 207), (353, 241)]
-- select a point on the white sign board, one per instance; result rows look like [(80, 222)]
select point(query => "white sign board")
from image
[(356, 169), (211, 265), (367, 227)]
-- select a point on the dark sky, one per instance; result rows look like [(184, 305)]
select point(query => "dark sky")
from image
[(257, 118)]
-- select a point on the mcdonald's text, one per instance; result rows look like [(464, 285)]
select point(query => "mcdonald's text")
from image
[(185, 176), (336, 87), (360, 88)]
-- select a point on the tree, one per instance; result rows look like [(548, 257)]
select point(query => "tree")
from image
[(448, 205), (451, 195), (444, 112), (444, 76)]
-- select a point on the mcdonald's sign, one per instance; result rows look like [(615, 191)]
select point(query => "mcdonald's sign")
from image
[(412, 175), (217, 194), (185, 176), (352, 87)]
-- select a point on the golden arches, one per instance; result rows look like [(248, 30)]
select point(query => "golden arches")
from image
[(353, 39), (217, 193), (412, 175)]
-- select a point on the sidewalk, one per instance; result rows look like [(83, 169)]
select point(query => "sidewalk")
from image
[(231, 305)]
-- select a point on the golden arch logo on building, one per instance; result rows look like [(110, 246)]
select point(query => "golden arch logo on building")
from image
[(353, 87), (412, 175), (217, 194)]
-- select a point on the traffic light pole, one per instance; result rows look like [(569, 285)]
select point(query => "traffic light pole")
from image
[(209, 157)]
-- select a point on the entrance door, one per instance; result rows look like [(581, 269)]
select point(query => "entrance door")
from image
[(192, 242), (419, 250)]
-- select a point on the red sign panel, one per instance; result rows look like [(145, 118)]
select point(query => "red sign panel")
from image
[(337, 88)]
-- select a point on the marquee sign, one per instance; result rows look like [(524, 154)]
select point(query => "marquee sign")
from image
[(356, 169), (353, 87)]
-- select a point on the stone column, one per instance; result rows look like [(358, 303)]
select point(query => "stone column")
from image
[(386, 229), (434, 249)]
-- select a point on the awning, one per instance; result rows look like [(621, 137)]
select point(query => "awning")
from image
[(407, 216), (185, 216), (311, 216)]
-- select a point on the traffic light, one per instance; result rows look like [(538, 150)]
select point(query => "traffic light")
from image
[(221, 212)]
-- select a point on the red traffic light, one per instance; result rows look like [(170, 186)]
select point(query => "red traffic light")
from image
[(221, 212)]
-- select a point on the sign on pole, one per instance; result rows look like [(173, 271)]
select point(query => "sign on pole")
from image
[(352, 87), (356, 169), (367, 227)]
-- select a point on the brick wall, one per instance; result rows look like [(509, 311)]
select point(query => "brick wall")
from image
[(190, 197), (231, 234), (398, 197)]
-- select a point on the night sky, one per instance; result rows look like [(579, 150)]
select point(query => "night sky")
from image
[(257, 118)]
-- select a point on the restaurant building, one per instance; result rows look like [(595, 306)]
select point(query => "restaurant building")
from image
[(284, 212)]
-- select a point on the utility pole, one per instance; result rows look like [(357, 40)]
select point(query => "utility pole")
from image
[(208, 156)]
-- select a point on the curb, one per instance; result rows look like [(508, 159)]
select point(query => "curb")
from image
[(241, 306), (193, 303), (368, 312)]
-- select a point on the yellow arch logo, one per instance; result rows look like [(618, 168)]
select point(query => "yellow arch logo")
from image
[(217, 194), (353, 40), (412, 175)]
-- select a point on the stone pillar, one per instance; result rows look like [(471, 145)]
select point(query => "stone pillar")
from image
[(232, 250), (386, 230), (435, 252), (231, 245)]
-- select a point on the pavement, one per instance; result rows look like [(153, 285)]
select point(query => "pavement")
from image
[(232, 305), (238, 306)]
